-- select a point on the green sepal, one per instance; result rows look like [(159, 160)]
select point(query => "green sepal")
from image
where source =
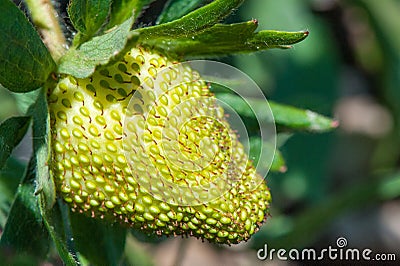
[(121, 10), (286, 117), (294, 118), (41, 148), (25, 62), (174, 9), (224, 39), (81, 62), (88, 16), (192, 23), (45, 187)]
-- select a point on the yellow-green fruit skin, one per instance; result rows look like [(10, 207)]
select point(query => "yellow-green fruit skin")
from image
[(99, 167)]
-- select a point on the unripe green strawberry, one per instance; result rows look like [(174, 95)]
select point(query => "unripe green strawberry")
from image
[(143, 142)]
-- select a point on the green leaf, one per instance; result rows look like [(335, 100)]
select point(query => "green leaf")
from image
[(282, 138), (11, 133), (26, 100), (278, 163), (192, 23), (121, 10), (24, 233), (276, 39), (10, 177), (227, 39), (284, 115), (299, 119), (41, 148), (57, 223), (100, 242), (25, 62), (244, 108), (88, 16), (82, 62), (175, 9)]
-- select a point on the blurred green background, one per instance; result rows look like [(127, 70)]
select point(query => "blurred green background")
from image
[(340, 184), (345, 183)]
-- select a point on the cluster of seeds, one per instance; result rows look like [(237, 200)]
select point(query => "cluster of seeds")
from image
[(143, 141)]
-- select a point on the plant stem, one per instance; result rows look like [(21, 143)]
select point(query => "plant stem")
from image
[(44, 16)]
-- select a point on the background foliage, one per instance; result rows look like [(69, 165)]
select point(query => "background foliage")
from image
[(345, 183)]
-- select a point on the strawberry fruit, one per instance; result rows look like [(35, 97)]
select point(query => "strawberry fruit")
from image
[(143, 142)]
